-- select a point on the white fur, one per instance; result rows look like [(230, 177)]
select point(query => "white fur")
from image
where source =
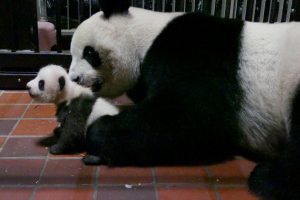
[(101, 108), (122, 42), (52, 93), (269, 73)]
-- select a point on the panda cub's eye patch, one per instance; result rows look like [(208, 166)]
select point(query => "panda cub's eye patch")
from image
[(91, 56), (41, 84)]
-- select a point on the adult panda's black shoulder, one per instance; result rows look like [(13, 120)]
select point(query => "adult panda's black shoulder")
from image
[(207, 88)]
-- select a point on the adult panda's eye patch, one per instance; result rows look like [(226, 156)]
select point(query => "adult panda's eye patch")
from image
[(91, 56), (41, 85)]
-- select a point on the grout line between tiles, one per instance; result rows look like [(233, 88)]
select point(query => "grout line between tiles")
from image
[(153, 171), (38, 157), (213, 186), (104, 185), (24, 118), (30, 136), (95, 185), (40, 176), (15, 126), (14, 104), (14, 91)]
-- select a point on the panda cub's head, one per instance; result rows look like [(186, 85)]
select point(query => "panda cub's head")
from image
[(49, 84), (53, 85)]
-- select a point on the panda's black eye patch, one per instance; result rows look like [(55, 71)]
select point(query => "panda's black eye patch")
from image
[(91, 56), (42, 85)]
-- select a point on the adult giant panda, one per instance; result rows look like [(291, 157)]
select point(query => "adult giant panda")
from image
[(206, 89)]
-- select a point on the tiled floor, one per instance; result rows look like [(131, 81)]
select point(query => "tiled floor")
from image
[(29, 172)]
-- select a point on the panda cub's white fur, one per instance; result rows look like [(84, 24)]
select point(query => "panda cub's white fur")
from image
[(52, 93), (76, 106)]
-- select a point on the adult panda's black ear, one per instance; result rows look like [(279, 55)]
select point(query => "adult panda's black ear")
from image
[(110, 7), (62, 83)]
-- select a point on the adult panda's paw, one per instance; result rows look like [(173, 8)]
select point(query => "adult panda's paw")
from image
[(56, 149), (92, 160), (48, 141), (275, 180)]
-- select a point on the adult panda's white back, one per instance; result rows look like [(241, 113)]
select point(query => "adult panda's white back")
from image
[(269, 75)]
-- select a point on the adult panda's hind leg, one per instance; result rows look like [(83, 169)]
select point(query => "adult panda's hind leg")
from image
[(279, 179)]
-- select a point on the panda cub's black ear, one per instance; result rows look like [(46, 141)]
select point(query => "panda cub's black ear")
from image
[(62, 83), (110, 7)]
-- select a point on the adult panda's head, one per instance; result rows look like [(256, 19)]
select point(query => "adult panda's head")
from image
[(107, 49), (103, 52)]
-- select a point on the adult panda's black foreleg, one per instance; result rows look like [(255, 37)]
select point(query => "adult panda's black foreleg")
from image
[(279, 179), (159, 131)]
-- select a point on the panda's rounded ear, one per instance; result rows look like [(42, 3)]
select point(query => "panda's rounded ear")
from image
[(62, 83), (110, 7)]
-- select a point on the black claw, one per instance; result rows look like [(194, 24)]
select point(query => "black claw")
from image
[(91, 160), (56, 149), (48, 141)]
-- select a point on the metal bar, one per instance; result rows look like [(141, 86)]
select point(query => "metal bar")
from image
[(38, 8), (270, 10), (184, 5), (213, 7), (262, 10), (153, 4), (193, 5), (14, 41), (80, 10), (163, 5), (280, 11), (253, 10), (143, 4), (201, 7), (35, 31), (223, 8), (15, 61), (235, 8), (68, 14), (58, 25), (90, 7), (289, 10), (173, 5), (231, 9), (297, 11), (244, 9)]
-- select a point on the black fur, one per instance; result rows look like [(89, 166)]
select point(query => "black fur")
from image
[(188, 108), (69, 136), (42, 85), (110, 7), (91, 56), (61, 82), (279, 179)]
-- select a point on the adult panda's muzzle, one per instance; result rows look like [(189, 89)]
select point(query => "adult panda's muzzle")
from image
[(97, 85)]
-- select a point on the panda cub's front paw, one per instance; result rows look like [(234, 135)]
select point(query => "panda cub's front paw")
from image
[(91, 160)]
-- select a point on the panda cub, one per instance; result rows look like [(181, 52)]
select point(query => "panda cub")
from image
[(76, 107)]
